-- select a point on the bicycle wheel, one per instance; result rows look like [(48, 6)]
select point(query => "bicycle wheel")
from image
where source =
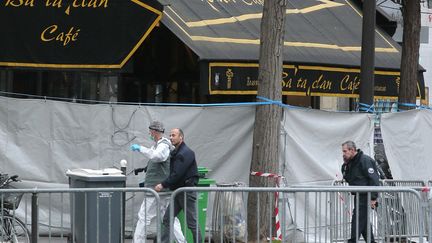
[(13, 230)]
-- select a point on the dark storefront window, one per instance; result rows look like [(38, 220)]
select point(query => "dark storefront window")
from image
[(162, 70), (65, 85)]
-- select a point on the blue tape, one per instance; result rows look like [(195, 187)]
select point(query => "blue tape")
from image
[(266, 101), (420, 107), (276, 102), (279, 103), (408, 104), (423, 107), (203, 105), (135, 103), (366, 107)]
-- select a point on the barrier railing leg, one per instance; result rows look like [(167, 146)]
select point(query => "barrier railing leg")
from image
[(34, 219)]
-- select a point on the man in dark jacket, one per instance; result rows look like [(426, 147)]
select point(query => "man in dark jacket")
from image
[(360, 170), (183, 173)]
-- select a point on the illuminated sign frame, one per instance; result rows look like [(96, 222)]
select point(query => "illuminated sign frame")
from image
[(226, 78)]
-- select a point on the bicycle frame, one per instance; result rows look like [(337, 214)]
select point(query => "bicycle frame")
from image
[(12, 229)]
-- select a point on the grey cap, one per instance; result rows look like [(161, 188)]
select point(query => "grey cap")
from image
[(157, 126)]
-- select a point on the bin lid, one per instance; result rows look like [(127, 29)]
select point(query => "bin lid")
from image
[(206, 182), (111, 174), (202, 171)]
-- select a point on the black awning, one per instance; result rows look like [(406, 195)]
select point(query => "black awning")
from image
[(74, 34), (318, 34)]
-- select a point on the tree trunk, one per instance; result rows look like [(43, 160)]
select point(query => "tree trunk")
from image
[(410, 54), (265, 154)]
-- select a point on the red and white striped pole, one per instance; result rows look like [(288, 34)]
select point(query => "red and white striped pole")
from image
[(262, 174), (276, 209)]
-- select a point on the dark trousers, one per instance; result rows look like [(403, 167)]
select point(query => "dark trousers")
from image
[(191, 216), (362, 206)]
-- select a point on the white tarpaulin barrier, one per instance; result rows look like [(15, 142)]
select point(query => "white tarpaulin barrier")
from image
[(313, 139), (407, 140), (312, 153), (41, 139)]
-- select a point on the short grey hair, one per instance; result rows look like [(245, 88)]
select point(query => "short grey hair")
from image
[(350, 144)]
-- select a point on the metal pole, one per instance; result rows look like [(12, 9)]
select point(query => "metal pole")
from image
[(123, 165), (367, 82), (34, 219)]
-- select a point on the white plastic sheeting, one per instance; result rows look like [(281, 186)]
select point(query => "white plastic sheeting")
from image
[(407, 140), (313, 139), (312, 155), (40, 140)]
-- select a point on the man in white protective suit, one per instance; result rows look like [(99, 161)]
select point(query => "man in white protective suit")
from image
[(157, 171)]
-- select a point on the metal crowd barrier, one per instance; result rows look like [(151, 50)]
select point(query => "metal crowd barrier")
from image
[(404, 220), (322, 214), (398, 222), (82, 215), (406, 183), (305, 214)]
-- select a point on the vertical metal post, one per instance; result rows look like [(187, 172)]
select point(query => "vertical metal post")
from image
[(367, 82), (123, 165), (159, 218), (123, 216), (34, 219)]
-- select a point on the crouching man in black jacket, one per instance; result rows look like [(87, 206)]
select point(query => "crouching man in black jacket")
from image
[(360, 170), (183, 173)]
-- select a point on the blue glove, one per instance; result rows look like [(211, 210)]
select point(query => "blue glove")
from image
[(135, 147)]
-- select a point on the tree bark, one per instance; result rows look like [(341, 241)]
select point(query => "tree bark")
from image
[(367, 74), (410, 54), (265, 151)]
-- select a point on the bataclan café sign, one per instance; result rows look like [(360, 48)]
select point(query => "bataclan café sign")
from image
[(74, 33), (242, 78)]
